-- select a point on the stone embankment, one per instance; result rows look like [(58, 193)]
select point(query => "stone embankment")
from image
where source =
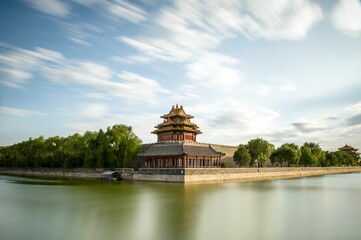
[(257, 174), (190, 175), (202, 175), (52, 173)]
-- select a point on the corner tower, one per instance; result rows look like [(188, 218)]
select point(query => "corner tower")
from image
[(177, 126)]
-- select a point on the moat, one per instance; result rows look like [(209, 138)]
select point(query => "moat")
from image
[(324, 207)]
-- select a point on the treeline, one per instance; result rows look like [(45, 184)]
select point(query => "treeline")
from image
[(114, 148), (259, 151)]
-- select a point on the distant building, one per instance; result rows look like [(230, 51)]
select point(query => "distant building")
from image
[(349, 149), (177, 145)]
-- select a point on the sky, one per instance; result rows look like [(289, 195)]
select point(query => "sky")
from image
[(288, 71)]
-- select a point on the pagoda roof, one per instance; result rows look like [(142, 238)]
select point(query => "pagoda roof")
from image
[(177, 128), (177, 111), (169, 121), (180, 149), (177, 120), (348, 148)]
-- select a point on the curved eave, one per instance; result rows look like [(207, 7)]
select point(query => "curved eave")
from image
[(175, 123), (196, 131), (169, 115)]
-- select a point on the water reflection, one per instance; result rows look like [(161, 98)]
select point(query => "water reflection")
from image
[(316, 208)]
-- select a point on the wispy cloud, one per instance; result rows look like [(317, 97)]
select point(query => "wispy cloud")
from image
[(52, 7), (125, 10), (307, 127), (80, 32), (19, 64), (214, 69), (119, 9), (126, 85), (355, 120), (287, 88), (191, 33), (346, 17), (354, 108), (18, 112)]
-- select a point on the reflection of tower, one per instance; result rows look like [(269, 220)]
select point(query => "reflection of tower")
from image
[(176, 126)]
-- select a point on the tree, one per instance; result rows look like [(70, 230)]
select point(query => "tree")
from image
[(294, 160), (316, 155), (287, 153), (307, 158), (346, 159), (125, 145), (117, 147), (331, 159), (260, 151), (91, 145), (241, 156)]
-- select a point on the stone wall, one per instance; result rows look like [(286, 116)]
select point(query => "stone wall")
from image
[(51, 173), (193, 175), (229, 151), (158, 178), (255, 174)]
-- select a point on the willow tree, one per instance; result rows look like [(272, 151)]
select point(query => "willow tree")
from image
[(260, 151), (241, 156), (312, 154), (124, 144), (287, 153)]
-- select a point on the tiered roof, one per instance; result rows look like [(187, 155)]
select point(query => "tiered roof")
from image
[(348, 148), (180, 149), (177, 120)]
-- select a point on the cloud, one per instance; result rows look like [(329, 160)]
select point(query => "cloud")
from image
[(52, 7), (19, 64), (214, 69), (118, 9), (355, 108), (287, 88), (94, 110), (80, 32), (280, 19), (231, 122), (307, 127), (346, 17), (125, 10), (191, 32), (17, 112), (158, 48), (355, 120), (186, 27), (126, 85)]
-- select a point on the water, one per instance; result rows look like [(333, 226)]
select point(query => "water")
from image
[(327, 207)]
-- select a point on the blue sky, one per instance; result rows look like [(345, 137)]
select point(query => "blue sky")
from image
[(286, 71)]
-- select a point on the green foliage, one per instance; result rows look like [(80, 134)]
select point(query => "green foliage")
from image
[(260, 151), (224, 165), (117, 147), (287, 153), (346, 159), (312, 155), (242, 156), (307, 158)]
